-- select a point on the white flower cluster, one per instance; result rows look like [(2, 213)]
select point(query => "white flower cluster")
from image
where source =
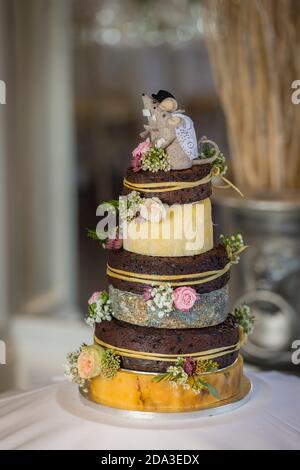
[(156, 159), (162, 299), (178, 377), (100, 310), (71, 369), (129, 206), (233, 245)]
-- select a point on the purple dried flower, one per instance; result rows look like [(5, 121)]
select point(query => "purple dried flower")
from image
[(114, 243), (147, 293), (189, 366)]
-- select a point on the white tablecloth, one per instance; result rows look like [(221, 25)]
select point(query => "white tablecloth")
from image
[(54, 417)]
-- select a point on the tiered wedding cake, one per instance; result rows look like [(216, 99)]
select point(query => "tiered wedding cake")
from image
[(164, 340)]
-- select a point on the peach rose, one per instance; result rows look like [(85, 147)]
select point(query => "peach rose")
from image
[(89, 361), (184, 298), (153, 210)]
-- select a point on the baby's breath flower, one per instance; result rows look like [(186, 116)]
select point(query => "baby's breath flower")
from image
[(71, 369), (129, 206), (99, 310), (161, 297), (233, 246)]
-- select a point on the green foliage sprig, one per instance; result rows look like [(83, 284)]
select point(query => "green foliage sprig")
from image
[(244, 318), (187, 373), (91, 233), (209, 151), (111, 206), (234, 245)]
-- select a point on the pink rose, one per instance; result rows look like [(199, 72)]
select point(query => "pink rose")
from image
[(89, 361), (153, 210), (138, 152), (142, 148), (184, 298), (93, 299), (136, 163)]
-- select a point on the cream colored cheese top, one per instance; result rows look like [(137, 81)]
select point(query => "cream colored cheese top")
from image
[(185, 231)]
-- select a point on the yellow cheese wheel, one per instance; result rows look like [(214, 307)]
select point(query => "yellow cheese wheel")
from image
[(138, 392), (185, 231)]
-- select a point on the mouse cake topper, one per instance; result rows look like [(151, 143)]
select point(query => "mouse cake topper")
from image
[(169, 129), (171, 142)]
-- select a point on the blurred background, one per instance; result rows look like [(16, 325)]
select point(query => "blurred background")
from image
[(74, 72)]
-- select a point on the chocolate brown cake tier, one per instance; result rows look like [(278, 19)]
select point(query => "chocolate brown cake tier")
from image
[(183, 196), (211, 260), (167, 341)]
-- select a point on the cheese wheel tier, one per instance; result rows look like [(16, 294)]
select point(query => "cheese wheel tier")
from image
[(182, 196), (139, 392), (125, 264), (208, 310), (119, 335), (185, 230)]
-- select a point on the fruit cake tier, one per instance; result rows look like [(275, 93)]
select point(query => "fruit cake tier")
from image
[(190, 178), (132, 272), (147, 349)]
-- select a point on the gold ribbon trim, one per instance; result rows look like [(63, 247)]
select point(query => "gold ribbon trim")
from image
[(204, 355), (228, 184), (165, 186), (176, 186), (156, 280)]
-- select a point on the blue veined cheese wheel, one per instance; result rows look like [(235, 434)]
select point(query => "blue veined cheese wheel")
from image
[(185, 230)]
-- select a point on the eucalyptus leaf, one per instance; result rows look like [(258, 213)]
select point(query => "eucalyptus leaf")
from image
[(213, 391)]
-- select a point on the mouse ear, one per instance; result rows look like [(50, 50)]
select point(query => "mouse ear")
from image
[(174, 121), (169, 105)]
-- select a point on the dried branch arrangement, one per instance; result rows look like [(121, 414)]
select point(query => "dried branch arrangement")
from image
[(254, 48)]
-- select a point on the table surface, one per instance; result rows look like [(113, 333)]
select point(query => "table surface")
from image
[(54, 417)]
